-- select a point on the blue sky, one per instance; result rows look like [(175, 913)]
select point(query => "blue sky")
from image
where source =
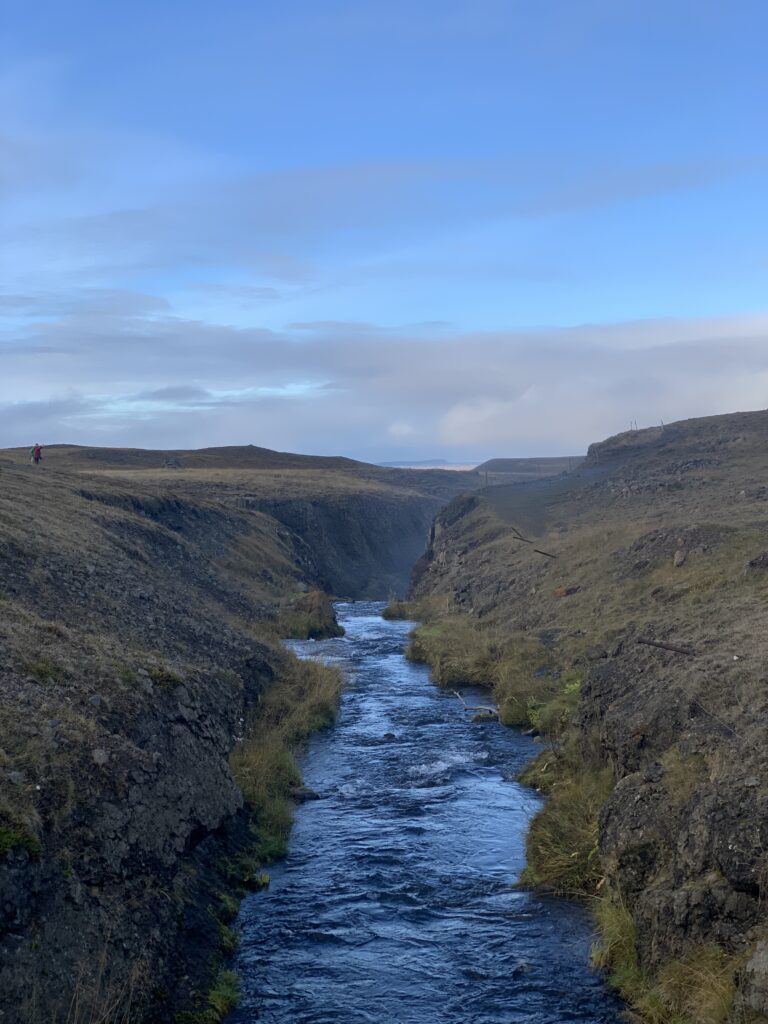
[(385, 229)]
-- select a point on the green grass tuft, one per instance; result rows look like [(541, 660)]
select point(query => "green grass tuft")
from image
[(229, 939), (18, 838), (45, 670), (562, 840), (302, 702), (616, 952), (223, 997), (124, 672), (227, 909), (164, 678)]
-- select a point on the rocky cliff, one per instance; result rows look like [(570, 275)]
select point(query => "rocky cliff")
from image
[(139, 612), (659, 538)]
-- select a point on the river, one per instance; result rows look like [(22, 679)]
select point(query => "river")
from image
[(396, 903)]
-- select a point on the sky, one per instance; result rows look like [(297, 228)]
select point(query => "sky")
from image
[(453, 229)]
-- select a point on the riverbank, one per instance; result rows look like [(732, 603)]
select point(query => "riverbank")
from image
[(619, 608)]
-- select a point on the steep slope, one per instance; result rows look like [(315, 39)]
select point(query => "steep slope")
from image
[(138, 619), (355, 528), (661, 535)]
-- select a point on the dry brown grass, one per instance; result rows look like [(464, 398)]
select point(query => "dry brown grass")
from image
[(281, 483), (683, 774), (98, 994), (309, 616), (303, 701), (697, 988), (562, 841), (527, 685)]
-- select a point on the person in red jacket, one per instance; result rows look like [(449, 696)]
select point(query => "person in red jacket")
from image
[(37, 454)]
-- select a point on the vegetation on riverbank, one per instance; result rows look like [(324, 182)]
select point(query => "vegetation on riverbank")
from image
[(264, 764), (698, 988), (220, 1000), (309, 617), (527, 684), (562, 843)]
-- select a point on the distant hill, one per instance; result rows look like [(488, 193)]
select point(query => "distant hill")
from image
[(248, 456), (519, 470), (343, 508), (310, 472)]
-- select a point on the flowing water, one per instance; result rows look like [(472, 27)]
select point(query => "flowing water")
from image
[(396, 903)]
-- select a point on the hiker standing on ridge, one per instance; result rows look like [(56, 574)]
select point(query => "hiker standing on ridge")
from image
[(37, 454)]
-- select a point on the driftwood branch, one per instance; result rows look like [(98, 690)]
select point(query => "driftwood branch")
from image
[(547, 553), (667, 647), (475, 707)]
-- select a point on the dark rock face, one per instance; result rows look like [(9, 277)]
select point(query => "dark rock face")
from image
[(122, 878), (663, 532), (683, 835), (128, 669), (361, 546)]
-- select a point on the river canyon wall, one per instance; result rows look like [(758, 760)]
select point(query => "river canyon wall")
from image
[(637, 587), (141, 597)]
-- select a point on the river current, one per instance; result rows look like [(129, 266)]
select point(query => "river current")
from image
[(396, 903)]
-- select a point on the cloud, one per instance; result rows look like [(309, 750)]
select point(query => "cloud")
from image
[(163, 296), (337, 326), (401, 429), (244, 293), (609, 186), (277, 225), (179, 393), (153, 378)]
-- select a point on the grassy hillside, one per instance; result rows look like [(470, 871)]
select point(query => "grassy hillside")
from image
[(245, 460), (141, 606), (346, 527), (549, 592)]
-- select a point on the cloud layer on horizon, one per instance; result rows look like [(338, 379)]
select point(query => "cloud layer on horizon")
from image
[(122, 369)]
